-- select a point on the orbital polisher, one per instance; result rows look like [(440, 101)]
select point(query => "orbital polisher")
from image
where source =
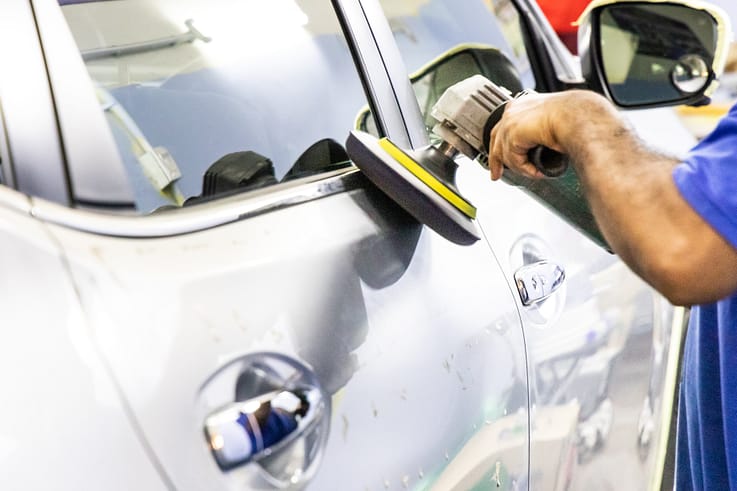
[(422, 181)]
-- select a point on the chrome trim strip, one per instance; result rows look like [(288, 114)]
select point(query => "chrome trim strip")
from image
[(204, 216), (14, 200)]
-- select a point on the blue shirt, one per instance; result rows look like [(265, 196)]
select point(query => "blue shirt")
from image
[(706, 448)]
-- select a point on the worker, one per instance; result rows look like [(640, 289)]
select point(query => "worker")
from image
[(674, 222)]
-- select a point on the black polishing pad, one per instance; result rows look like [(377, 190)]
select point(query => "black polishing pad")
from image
[(410, 184)]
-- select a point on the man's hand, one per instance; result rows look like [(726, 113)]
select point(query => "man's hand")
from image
[(629, 187), (558, 121)]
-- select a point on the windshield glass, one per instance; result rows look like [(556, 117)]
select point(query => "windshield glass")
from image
[(205, 97)]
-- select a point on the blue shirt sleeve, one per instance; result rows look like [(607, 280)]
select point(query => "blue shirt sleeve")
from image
[(707, 178)]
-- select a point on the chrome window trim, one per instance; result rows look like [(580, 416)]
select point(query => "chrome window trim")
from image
[(14, 200), (203, 216), (87, 140), (28, 108)]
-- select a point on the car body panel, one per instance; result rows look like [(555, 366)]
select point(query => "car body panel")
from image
[(66, 415), (86, 139), (413, 373)]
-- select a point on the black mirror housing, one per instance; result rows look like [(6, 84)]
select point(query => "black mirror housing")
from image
[(651, 53)]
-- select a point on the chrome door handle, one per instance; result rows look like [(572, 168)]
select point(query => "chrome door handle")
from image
[(245, 431), (538, 281), (266, 418)]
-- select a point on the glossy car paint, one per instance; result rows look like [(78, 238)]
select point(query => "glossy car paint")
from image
[(420, 343), (65, 423), (414, 373)]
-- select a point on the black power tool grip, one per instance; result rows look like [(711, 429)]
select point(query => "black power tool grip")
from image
[(548, 161)]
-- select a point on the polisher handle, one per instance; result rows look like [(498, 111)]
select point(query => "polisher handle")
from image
[(548, 161)]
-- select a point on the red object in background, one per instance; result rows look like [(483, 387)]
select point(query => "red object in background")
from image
[(562, 14)]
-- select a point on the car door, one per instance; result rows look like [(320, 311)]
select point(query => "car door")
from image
[(395, 358), (603, 348)]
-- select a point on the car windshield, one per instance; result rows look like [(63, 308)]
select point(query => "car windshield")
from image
[(204, 97)]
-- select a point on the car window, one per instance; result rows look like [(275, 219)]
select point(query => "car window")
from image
[(428, 29), (445, 41), (210, 97)]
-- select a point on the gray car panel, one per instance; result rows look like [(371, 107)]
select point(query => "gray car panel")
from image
[(62, 413), (417, 340)]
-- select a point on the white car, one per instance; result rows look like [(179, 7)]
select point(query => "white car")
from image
[(200, 291)]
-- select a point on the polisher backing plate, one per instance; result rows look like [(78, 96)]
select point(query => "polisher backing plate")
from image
[(415, 189)]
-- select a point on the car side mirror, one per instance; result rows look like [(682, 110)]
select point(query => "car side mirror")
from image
[(647, 53)]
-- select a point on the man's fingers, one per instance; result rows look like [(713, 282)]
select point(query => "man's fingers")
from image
[(528, 169), (505, 153), (511, 140), (496, 168)]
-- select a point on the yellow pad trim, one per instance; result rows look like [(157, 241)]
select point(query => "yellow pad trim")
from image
[(421, 173)]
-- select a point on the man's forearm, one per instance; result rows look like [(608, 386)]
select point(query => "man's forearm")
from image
[(630, 189), (627, 186)]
